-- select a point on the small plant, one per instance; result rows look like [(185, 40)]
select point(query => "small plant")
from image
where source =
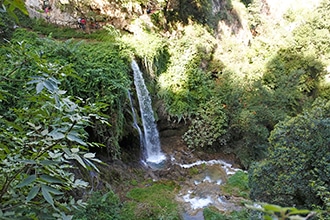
[(101, 207), (270, 212), (237, 185), (211, 213), (134, 182), (193, 171)]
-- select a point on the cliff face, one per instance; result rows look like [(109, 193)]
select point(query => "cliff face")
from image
[(67, 12)]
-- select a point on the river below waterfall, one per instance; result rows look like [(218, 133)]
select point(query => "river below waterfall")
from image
[(202, 177), (203, 189)]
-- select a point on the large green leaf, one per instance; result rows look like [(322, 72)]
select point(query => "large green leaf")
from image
[(47, 196), (28, 180), (72, 136), (78, 158), (39, 87), (50, 179), (52, 190), (274, 208), (56, 135), (300, 212), (33, 192), (50, 85)]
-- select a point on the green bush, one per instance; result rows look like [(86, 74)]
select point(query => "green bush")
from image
[(211, 213), (296, 171), (42, 136), (6, 27), (95, 72), (185, 85), (209, 124), (237, 185), (101, 207)]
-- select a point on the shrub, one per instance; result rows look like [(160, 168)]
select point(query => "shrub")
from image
[(42, 135), (101, 207), (185, 85), (296, 171), (6, 26), (211, 213), (237, 185), (209, 124)]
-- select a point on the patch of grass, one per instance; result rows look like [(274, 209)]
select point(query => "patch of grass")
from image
[(134, 182), (211, 213), (155, 201), (193, 171), (237, 185)]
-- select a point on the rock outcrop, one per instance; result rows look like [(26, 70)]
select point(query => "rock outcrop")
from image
[(67, 12)]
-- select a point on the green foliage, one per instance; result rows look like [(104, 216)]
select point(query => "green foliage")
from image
[(103, 80), (98, 72), (66, 32), (237, 185), (199, 11), (211, 213), (296, 171), (42, 136), (153, 202), (6, 26), (210, 124), (100, 206), (270, 211), (184, 85), (12, 6), (256, 17), (310, 36), (154, 51), (289, 83), (290, 70)]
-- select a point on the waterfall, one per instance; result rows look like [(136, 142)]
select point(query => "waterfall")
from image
[(151, 141), (135, 123)]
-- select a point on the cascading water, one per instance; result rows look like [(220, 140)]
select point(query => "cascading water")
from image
[(135, 123), (152, 150)]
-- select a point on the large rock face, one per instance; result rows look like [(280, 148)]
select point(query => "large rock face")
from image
[(36, 9), (63, 12)]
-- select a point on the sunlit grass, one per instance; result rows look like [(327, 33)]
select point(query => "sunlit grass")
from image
[(156, 201)]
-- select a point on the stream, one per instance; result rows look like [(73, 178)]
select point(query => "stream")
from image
[(203, 189)]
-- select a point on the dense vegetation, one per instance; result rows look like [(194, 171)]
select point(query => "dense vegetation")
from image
[(264, 98)]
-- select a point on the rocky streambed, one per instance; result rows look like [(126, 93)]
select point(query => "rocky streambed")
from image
[(200, 176)]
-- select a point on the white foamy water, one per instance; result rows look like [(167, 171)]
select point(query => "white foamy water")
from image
[(156, 158), (226, 166), (219, 182), (196, 202), (207, 179), (203, 190)]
